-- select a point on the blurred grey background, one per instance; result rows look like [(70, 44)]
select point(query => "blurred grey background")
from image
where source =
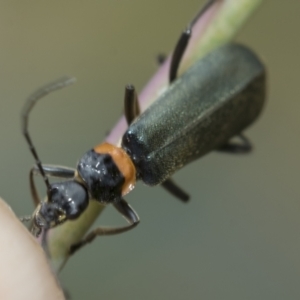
[(239, 236)]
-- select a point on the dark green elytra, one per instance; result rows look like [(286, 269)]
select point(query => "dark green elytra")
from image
[(215, 100)]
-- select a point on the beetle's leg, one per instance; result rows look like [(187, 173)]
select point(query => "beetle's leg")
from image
[(131, 104), (170, 186), (55, 171), (183, 42), (237, 148), (178, 53), (127, 212), (161, 58), (175, 190), (51, 171)]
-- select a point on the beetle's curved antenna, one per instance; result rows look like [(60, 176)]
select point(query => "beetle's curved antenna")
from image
[(29, 104)]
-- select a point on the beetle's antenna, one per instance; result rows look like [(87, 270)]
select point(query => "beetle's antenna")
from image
[(30, 102)]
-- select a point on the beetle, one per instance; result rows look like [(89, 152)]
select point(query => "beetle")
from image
[(201, 111)]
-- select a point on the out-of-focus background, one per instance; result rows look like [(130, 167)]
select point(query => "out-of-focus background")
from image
[(239, 236)]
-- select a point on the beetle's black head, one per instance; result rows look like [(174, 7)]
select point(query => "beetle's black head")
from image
[(66, 201), (101, 176)]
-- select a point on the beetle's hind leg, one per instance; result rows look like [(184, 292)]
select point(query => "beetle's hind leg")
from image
[(242, 147), (125, 210), (175, 190)]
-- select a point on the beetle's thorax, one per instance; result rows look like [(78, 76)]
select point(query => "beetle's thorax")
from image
[(107, 171)]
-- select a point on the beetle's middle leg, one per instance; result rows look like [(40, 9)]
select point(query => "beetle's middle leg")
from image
[(242, 147)]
